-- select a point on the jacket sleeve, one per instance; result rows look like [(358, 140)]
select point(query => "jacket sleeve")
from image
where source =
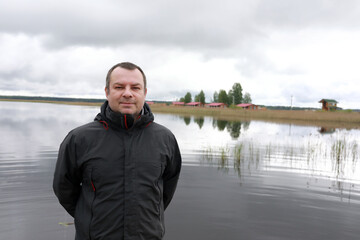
[(67, 179), (171, 174)]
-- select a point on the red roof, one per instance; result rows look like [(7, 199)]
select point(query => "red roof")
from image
[(244, 105), (193, 103), (178, 103), (216, 104)]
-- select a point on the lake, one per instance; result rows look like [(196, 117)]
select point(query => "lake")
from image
[(240, 180)]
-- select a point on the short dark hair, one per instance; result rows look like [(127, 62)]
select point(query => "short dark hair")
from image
[(125, 65)]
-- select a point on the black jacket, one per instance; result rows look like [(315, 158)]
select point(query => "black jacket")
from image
[(116, 178)]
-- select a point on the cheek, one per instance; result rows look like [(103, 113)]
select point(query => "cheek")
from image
[(115, 94), (140, 96)]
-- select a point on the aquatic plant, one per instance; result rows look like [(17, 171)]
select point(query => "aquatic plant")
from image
[(224, 151), (237, 158), (338, 150), (268, 151), (310, 156), (221, 154), (237, 152), (208, 154), (354, 151)]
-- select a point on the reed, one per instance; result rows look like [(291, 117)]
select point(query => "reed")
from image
[(221, 155), (337, 157), (224, 153), (237, 152), (338, 150), (354, 151), (268, 151), (208, 154), (338, 153)]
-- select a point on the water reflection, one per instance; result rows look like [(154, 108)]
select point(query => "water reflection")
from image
[(187, 120), (233, 127), (273, 147), (336, 160), (239, 180), (325, 130), (199, 121)]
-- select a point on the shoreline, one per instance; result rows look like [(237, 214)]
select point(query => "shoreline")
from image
[(338, 119)]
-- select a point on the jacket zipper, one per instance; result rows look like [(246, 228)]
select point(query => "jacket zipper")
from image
[(159, 189), (159, 202)]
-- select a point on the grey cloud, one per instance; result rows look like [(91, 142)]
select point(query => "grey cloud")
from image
[(199, 24), (20, 72), (302, 14)]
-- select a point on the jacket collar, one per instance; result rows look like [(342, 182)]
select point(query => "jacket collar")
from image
[(124, 121)]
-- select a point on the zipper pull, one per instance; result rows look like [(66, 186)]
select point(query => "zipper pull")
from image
[(93, 187)]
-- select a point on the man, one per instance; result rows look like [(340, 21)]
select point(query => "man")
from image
[(117, 175)]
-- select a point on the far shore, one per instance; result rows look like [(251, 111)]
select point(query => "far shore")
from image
[(337, 119)]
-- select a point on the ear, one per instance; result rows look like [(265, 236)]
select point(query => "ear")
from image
[(106, 92), (145, 91)]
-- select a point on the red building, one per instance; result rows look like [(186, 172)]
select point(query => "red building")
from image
[(194, 104), (178, 103), (216, 105), (249, 106)]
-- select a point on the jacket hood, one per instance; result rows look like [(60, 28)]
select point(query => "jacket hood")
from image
[(124, 121)]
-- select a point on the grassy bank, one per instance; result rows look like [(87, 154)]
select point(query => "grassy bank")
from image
[(339, 119), (317, 118)]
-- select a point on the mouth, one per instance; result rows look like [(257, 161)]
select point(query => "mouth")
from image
[(126, 103)]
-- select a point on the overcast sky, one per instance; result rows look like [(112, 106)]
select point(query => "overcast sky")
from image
[(308, 49)]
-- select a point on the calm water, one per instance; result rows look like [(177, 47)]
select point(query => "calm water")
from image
[(240, 180)]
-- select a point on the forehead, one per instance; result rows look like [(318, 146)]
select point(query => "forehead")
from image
[(125, 76)]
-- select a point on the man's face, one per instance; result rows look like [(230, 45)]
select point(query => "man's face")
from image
[(126, 93)]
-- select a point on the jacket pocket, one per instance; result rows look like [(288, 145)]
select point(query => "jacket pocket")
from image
[(84, 206), (159, 183)]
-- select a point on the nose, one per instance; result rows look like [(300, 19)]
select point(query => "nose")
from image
[(127, 93)]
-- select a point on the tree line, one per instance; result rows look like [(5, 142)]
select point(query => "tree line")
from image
[(232, 97)]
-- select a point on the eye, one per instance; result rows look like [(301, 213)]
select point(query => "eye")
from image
[(136, 88)]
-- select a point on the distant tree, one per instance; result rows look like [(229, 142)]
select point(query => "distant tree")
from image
[(231, 97), (187, 97), (223, 97), (216, 97), (182, 99), (196, 98), (247, 98), (201, 97), (237, 93)]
